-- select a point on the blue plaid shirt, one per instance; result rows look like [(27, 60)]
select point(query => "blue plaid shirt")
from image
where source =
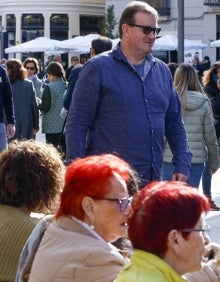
[(114, 110)]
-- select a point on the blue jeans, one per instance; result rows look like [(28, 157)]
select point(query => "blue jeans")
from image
[(3, 138), (196, 171), (206, 180)]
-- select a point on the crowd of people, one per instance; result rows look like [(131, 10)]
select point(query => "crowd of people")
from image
[(121, 203)]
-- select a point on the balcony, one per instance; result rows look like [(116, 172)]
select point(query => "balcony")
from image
[(211, 2)]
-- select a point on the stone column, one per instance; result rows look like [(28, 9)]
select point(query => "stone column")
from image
[(18, 33), (74, 29), (46, 29)]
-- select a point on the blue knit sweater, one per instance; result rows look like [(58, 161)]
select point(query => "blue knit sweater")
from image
[(114, 110)]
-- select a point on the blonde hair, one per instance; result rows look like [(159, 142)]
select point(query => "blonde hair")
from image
[(185, 79), (207, 75)]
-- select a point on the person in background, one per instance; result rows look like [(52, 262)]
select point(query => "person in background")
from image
[(124, 102), (83, 59), (168, 232), (172, 66), (74, 63), (198, 120), (52, 102), (93, 212), (197, 66), (3, 62), (7, 117), (98, 46), (206, 63), (49, 60), (24, 98), (211, 85), (31, 179), (57, 58), (33, 68)]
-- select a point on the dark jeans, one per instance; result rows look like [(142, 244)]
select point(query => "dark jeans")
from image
[(195, 173), (206, 180), (53, 138)]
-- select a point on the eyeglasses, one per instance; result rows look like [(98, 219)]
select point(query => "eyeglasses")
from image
[(148, 29), (30, 68), (205, 231), (123, 202)]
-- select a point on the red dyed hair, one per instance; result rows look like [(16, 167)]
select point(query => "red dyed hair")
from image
[(160, 207), (89, 177)]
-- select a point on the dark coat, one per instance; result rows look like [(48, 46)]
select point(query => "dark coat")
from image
[(26, 111)]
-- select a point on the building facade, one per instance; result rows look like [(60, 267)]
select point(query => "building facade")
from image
[(201, 20), (24, 20)]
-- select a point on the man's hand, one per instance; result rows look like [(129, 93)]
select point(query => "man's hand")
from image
[(10, 130), (179, 177)]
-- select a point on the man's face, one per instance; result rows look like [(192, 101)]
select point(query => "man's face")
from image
[(140, 42), (75, 61)]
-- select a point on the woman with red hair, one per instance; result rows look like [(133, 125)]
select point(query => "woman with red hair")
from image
[(94, 210), (168, 233)]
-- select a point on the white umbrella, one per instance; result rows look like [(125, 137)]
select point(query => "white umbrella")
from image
[(170, 43), (40, 44), (166, 43), (78, 44), (194, 44), (215, 43)]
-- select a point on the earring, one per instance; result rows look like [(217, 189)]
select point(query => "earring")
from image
[(92, 226)]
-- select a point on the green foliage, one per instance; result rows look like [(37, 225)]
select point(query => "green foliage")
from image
[(109, 23)]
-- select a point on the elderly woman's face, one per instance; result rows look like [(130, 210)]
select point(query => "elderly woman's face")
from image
[(111, 223), (30, 68), (192, 248)]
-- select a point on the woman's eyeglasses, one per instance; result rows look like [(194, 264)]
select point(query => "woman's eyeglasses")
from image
[(205, 231), (147, 29), (30, 68), (123, 202)]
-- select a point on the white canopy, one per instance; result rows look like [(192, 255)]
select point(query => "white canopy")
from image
[(78, 44), (215, 43), (40, 44), (82, 44), (170, 43)]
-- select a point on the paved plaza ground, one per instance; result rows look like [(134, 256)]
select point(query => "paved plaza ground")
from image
[(213, 218)]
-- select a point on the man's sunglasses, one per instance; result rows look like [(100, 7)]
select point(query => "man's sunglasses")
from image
[(147, 29)]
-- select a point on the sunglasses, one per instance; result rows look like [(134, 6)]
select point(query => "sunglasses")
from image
[(122, 202), (30, 68), (147, 29)]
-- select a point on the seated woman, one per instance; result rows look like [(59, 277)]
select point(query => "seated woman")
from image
[(168, 233), (31, 179), (94, 211)]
